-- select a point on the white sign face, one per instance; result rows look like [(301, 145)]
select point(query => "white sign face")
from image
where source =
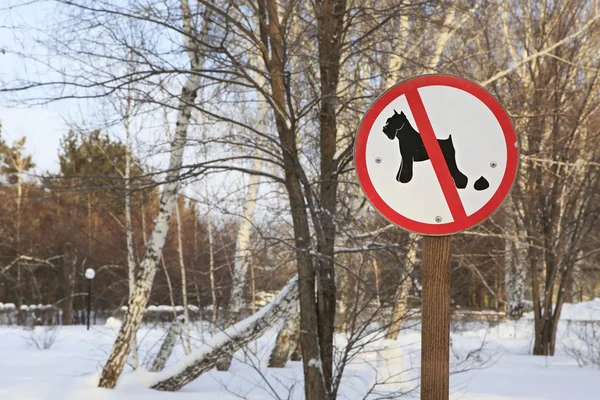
[(436, 154)]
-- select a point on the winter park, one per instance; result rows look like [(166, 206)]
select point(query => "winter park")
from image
[(294, 199)]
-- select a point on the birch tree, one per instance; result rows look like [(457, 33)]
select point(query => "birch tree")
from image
[(243, 253), (186, 314), (139, 299)]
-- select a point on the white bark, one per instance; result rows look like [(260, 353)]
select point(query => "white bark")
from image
[(542, 52), (229, 341), (128, 227), (169, 285), (243, 255), (167, 347), (187, 346), (515, 270), (287, 341), (514, 277), (400, 305), (139, 298), (211, 272), (396, 61), (443, 37), (376, 272)]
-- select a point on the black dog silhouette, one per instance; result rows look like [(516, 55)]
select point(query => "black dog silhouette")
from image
[(412, 149)]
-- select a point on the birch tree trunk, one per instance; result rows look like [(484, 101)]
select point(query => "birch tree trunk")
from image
[(139, 298), (187, 347), (287, 341), (169, 285), (243, 256), (167, 347), (211, 273), (515, 273), (19, 288), (128, 227), (400, 305), (441, 39), (230, 340)]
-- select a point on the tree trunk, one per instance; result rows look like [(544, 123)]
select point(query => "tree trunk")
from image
[(167, 347), (128, 227), (543, 344), (297, 354), (70, 265), (139, 298), (330, 19), (211, 272), (230, 340), (287, 341), (271, 35), (169, 285), (514, 278), (187, 346), (515, 271), (401, 300), (243, 256)]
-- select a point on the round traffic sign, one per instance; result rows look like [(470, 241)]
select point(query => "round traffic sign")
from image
[(436, 154)]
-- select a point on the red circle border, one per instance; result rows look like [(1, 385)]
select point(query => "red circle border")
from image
[(398, 90)]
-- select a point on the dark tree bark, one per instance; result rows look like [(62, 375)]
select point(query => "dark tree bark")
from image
[(330, 19), (69, 267), (271, 36)]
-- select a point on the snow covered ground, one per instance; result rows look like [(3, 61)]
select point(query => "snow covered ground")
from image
[(500, 370)]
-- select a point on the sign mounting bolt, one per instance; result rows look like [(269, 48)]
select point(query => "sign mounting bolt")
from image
[(493, 164), (438, 219), (378, 160)]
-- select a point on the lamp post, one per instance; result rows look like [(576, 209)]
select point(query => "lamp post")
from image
[(89, 275)]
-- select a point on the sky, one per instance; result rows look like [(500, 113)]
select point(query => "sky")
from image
[(43, 125)]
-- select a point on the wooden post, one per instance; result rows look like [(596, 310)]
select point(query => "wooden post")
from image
[(435, 316)]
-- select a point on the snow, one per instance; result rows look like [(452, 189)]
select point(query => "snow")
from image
[(113, 322), (502, 369), (584, 311)]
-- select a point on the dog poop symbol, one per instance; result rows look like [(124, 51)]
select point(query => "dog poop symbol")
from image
[(413, 150)]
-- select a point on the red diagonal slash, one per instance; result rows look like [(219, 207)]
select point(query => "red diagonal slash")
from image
[(435, 155)]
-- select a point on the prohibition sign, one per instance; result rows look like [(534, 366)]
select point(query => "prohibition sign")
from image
[(456, 148)]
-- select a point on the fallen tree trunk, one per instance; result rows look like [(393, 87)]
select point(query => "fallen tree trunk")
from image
[(229, 341)]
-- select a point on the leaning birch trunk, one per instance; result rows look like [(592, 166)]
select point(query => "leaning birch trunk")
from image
[(243, 256), (401, 301), (143, 285), (187, 347), (287, 341), (167, 347), (211, 272), (128, 226), (230, 340)]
